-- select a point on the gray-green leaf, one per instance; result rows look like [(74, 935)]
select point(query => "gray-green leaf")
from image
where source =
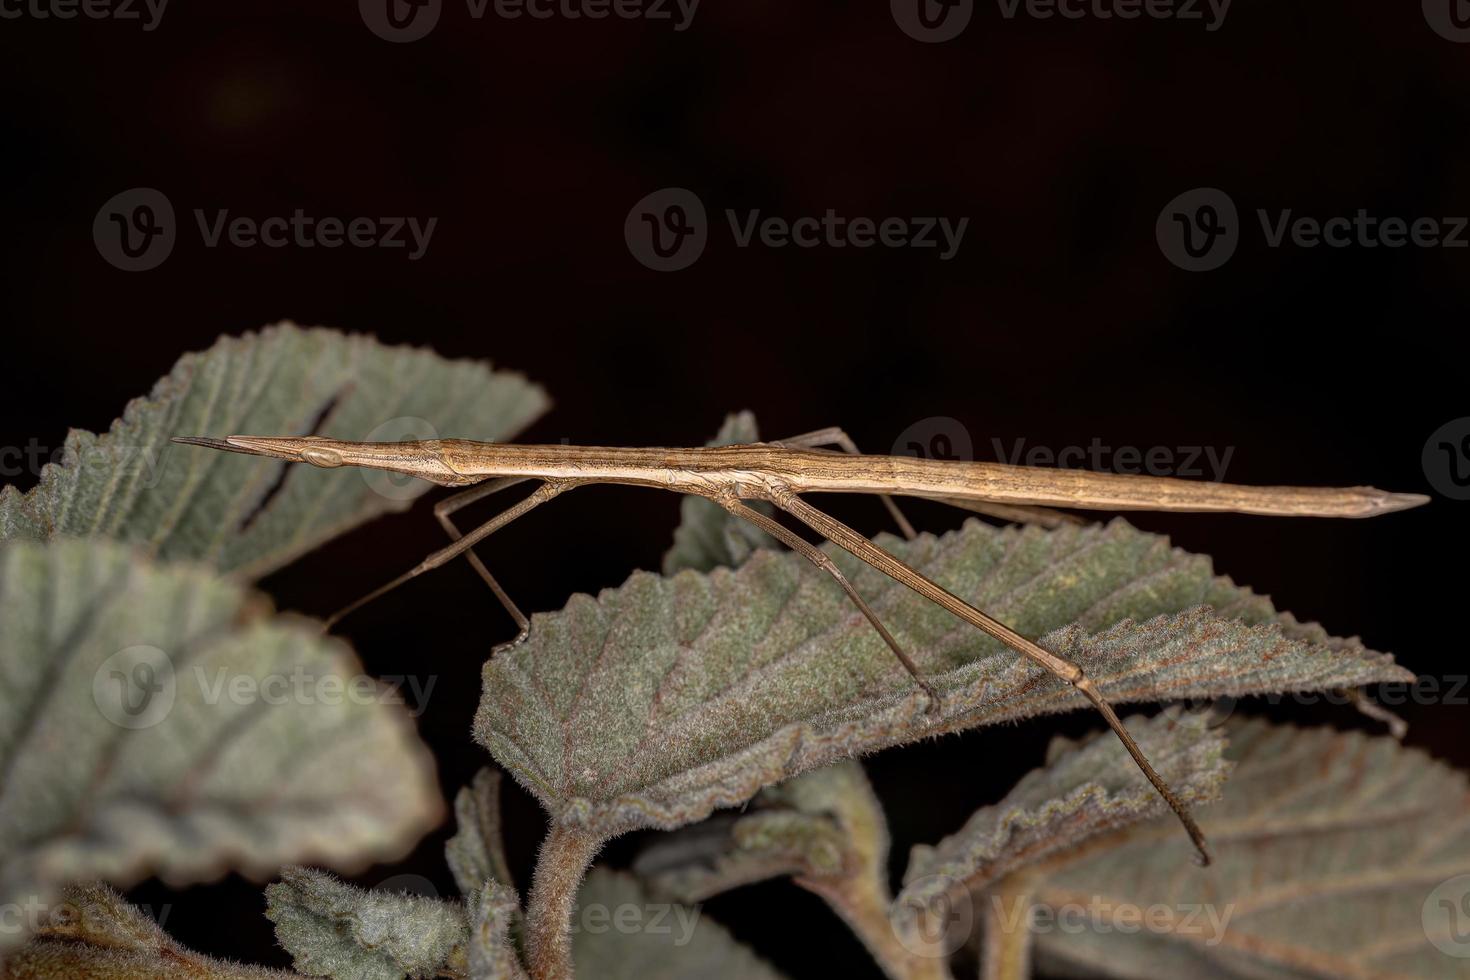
[(1085, 789), (709, 536), (93, 933), (476, 852), (664, 699), (822, 824), (1338, 855), (186, 502), (619, 932), (826, 828), (332, 929), (495, 914), (727, 852), (152, 721)]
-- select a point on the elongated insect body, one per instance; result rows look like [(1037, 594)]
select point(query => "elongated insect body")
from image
[(754, 470), (780, 473)]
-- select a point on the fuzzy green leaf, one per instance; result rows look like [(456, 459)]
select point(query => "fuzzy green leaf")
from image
[(476, 852), (495, 915), (332, 929), (727, 852), (664, 699), (709, 536), (185, 502), (92, 933), (1338, 856), (826, 828), (153, 721), (476, 855), (822, 824), (619, 932), (1086, 789)]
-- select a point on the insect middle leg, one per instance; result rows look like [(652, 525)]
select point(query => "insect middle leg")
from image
[(834, 436), (865, 550), (824, 561)]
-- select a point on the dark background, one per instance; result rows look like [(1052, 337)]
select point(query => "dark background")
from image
[(1058, 322)]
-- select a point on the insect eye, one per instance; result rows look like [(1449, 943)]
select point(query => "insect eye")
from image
[(321, 457)]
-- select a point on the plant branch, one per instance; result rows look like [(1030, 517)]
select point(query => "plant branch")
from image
[(1005, 917), (566, 854), (863, 903)]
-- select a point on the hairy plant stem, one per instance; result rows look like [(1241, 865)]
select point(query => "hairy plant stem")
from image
[(565, 856), (863, 904), (1005, 934)]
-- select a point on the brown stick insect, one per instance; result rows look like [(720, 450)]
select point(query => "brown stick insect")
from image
[(779, 473)]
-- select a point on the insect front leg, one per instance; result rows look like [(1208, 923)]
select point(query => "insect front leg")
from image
[(540, 495), (442, 511)]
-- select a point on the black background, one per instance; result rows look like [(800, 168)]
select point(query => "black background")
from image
[(1058, 322)]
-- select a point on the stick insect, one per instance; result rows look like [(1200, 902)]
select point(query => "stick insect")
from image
[(779, 473)]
